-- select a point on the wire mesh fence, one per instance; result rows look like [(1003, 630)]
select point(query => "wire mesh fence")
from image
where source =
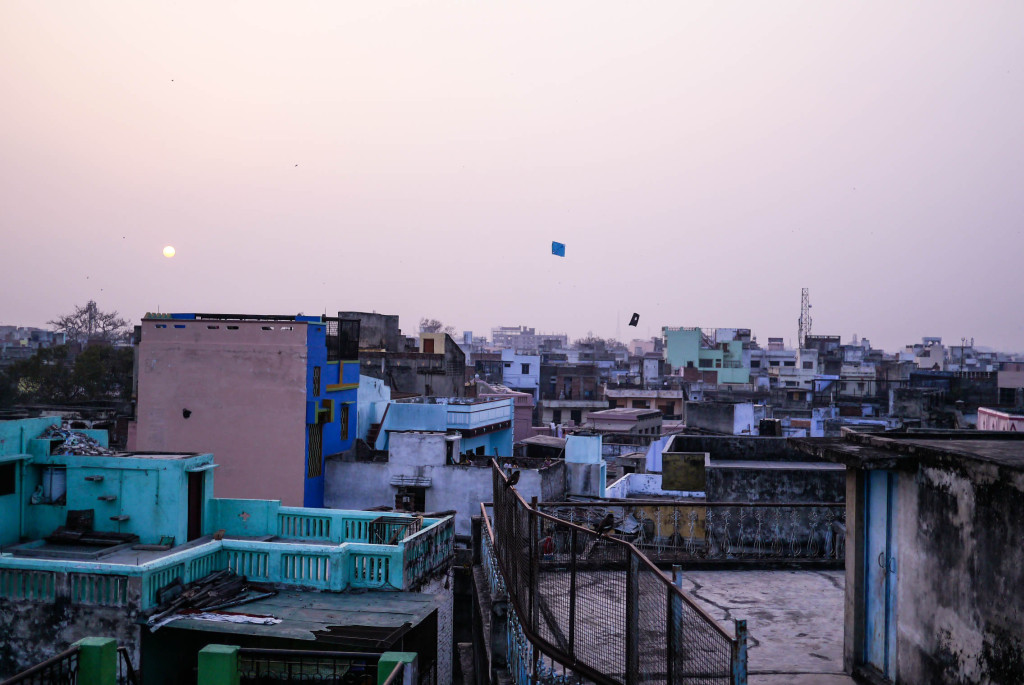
[(599, 607), (801, 533), (289, 665)]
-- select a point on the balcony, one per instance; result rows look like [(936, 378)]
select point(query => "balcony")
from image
[(320, 549)]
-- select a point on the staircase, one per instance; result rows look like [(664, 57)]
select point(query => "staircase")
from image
[(371, 435)]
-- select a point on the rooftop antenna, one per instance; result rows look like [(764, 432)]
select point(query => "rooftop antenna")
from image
[(804, 322)]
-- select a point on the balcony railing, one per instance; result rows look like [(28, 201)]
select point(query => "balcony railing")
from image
[(587, 606), (323, 566), (721, 533)]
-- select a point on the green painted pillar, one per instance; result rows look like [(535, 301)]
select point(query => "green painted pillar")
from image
[(388, 661), (218, 665), (97, 661)]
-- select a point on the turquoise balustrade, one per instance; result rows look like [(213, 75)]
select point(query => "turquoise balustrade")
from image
[(317, 564)]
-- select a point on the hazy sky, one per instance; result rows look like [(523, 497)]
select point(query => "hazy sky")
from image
[(702, 161)]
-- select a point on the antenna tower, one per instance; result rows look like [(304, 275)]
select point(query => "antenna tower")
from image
[(804, 322)]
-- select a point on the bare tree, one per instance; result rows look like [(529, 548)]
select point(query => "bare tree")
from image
[(89, 323), (435, 326)]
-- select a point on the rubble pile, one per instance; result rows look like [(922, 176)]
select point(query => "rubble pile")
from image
[(74, 443)]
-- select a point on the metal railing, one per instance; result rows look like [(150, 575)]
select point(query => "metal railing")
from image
[(60, 668), (720, 533), (257, 666), (597, 608), (396, 674), (126, 673)]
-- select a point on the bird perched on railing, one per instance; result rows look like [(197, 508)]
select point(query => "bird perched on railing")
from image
[(512, 480), (606, 524)]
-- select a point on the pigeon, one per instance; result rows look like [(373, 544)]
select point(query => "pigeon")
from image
[(606, 524), (512, 480)]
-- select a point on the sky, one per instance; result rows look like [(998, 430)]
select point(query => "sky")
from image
[(702, 162)]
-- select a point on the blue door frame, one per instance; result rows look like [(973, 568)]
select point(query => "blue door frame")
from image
[(880, 571)]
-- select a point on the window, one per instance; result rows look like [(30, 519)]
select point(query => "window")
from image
[(808, 365), (755, 363), (7, 472), (791, 384), (704, 363), (481, 451), (316, 381), (556, 415), (508, 365), (344, 420), (860, 386), (641, 404), (789, 363), (773, 362), (526, 368), (718, 363), (577, 416), (411, 498), (315, 458)]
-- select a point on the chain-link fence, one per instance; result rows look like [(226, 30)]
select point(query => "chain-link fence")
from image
[(804, 534), (598, 606)]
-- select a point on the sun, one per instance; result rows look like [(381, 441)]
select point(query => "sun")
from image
[(168, 251)]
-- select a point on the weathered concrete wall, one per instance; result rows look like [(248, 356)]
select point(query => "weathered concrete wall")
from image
[(737, 448), (722, 417), (788, 482), (376, 331), (441, 588), (960, 579), (362, 485), (33, 631)]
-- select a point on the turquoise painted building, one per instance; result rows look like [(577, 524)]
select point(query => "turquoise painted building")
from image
[(692, 348), (167, 501)]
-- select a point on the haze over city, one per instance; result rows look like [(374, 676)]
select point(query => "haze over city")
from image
[(701, 162)]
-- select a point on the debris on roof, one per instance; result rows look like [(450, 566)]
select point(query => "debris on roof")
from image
[(206, 596), (75, 443)]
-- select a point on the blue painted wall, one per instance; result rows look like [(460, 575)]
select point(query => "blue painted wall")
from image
[(328, 408)]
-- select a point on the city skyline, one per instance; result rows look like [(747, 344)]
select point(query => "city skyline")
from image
[(701, 164)]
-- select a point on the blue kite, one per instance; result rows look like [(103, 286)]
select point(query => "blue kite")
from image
[(557, 249)]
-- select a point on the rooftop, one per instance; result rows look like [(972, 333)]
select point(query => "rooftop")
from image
[(896, 450), (621, 413), (379, 619)]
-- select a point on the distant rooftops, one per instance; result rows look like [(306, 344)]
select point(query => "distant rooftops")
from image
[(450, 400), (624, 413), (300, 318)]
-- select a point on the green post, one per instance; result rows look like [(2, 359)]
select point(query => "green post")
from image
[(97, 661), (388, 661), (218, 665)]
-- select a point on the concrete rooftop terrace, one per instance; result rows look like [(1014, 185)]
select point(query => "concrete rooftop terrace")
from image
[(893, 450)]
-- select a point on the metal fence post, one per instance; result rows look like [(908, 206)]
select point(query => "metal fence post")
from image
[(218, 665), (633, 620), (739, 654), (572, 592), (97, 660)]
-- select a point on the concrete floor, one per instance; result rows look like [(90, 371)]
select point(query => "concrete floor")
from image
[(794, 619)]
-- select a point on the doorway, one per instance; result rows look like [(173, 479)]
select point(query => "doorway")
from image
[(195, 504), (880, 568)]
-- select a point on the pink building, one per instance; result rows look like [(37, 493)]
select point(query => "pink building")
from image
[(995, 420), (268, 396)]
